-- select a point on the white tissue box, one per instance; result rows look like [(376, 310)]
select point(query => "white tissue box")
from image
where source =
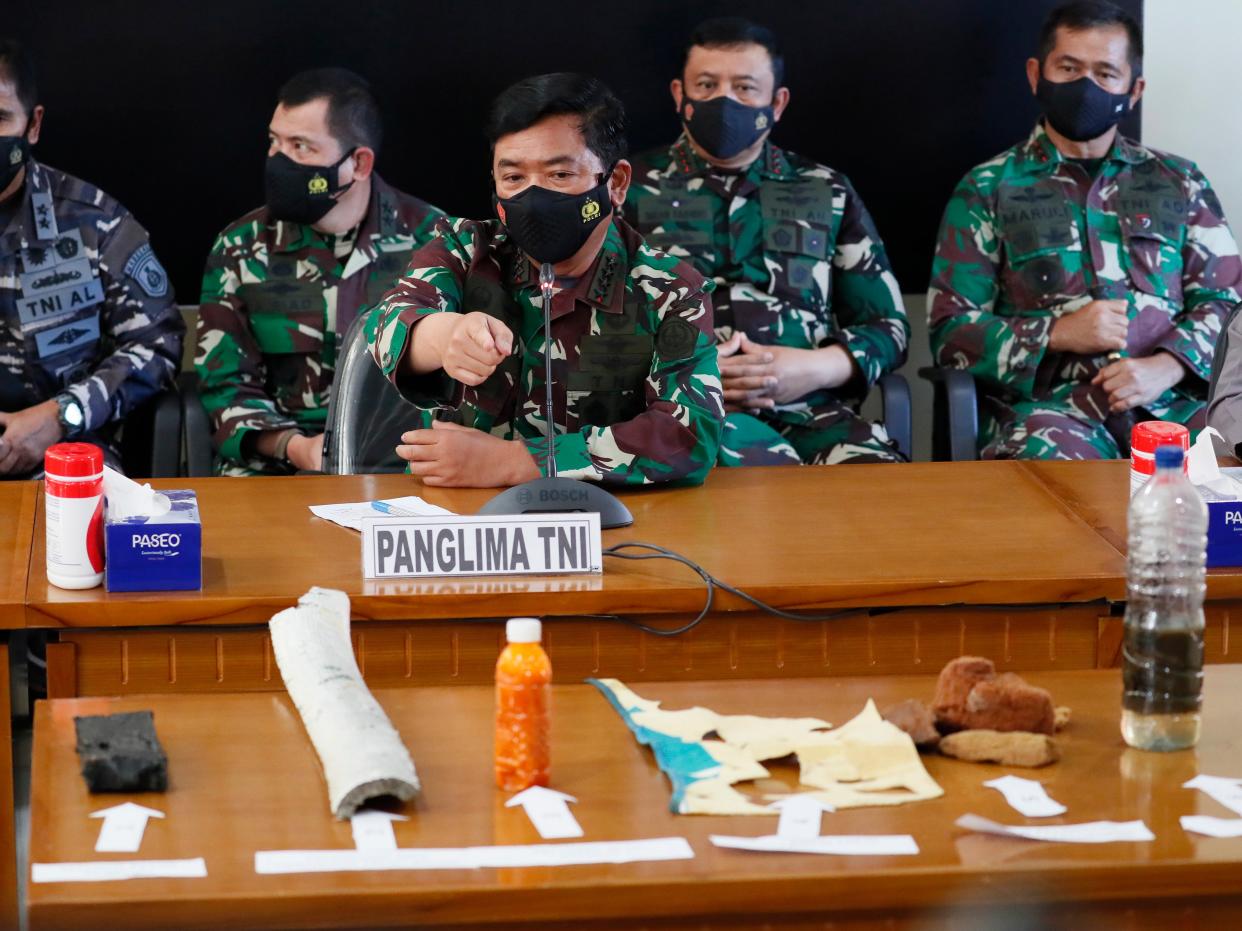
[(156, 554)]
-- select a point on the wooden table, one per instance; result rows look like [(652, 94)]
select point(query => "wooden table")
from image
[(17, 521), (244, 778), (928, 561), (17, 525)]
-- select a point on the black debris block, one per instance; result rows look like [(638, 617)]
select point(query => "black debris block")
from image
[(120, 753)]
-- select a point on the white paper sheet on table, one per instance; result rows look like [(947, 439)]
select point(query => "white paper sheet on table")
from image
[(844, 845), (1089, 832), (351, 514), (1212, 827)]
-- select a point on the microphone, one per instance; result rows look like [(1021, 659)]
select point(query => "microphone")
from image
[(552, 493), (546, 279)]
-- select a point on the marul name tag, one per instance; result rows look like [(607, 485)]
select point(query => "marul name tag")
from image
[(521, 544)]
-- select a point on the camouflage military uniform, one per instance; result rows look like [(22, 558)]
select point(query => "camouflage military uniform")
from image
[(1029, 237), (276, 299), (636, 386), (85, 306), (797, 262)]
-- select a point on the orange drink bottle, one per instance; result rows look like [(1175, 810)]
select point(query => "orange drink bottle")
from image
[(523, 681)]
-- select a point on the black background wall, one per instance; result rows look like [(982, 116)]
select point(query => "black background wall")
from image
[(165, 104)]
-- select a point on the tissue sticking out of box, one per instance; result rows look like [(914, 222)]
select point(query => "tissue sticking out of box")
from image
[(1204, 472), (126, 498)]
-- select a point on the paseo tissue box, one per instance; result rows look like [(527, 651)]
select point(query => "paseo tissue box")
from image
[(155, 553)]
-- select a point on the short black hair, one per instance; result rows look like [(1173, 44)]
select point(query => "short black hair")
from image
[(17, 65), (1092, 14), (601, 115), (727, 31), (353, 113)]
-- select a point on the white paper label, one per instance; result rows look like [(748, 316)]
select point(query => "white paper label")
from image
[(1220, 789), (1212, 827), (110, 870), (843, 845), (1026, 796), (548, 811), (468, 858), (1090, 832)]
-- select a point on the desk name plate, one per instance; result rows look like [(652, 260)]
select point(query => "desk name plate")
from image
[(519, 544)]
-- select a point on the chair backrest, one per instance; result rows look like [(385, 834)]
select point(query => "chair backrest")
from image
[(366, 414), (1226, 380)]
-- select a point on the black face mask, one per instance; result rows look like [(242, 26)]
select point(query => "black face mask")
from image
[(302, 193), (1080, 110), (723, 126), (550, 226), (14, 154)]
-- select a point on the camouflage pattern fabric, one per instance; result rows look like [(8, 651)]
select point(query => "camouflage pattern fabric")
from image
[(636, 384), (276, 299), (1030, 236), (797, 262), (85, 306)]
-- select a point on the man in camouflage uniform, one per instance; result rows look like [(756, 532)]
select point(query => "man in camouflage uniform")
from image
[(637, 395), (808, 313), (284, 283), (1081, 276), (88, 327)]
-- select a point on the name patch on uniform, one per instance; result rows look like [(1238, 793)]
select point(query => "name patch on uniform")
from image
[(144, 268), (54, 303), (67, 336), (394, 548)]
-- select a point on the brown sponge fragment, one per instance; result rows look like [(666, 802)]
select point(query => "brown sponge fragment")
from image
[(916, 719), (1015, 748), (971, 696)]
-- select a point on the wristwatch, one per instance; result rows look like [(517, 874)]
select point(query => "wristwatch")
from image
[(72, 419)]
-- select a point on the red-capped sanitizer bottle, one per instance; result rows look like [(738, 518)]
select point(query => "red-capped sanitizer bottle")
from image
[(74, 504)]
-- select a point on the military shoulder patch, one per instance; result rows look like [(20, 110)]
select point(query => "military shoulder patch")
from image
[(676, 338), (146, 269)]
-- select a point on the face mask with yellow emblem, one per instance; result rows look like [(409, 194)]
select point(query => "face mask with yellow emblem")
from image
[(14, 153), (302, 193), (723, 126), (551, 226)]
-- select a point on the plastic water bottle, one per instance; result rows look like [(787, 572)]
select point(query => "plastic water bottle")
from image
[(1163, 653), (523, 686)]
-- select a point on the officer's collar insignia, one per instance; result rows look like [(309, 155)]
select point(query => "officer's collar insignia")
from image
[(318, 184), (590, 210)]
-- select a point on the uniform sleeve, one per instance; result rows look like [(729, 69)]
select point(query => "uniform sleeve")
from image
[(228, 359), (140, 324), (866, 297), (431, 284), (1211, 275), (965, 331), (678, 435)]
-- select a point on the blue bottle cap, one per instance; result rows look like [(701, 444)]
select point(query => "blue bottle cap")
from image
[(1169, 457)]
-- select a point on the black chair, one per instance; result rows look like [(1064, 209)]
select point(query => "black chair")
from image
[(150, 438), (197, 430), (366, 414), (955, 414), (898, 417)]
